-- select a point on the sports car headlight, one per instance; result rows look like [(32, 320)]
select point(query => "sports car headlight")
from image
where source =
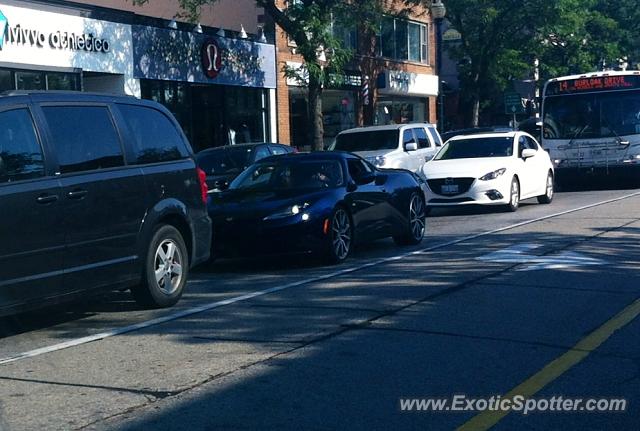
[(493, 175), (632, 158), (289, 211), (377, 161)]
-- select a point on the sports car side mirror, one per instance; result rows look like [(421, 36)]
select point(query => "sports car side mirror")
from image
[(528, 152), (366, 178), (351, 186)]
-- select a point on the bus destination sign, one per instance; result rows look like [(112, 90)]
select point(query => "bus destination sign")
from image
[(597, 83)]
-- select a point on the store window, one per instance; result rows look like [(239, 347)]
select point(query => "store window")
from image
[(338, 113), (401, 110), (214, 115), (12, 79)]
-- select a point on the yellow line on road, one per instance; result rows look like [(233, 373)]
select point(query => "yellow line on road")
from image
[(557, 367)]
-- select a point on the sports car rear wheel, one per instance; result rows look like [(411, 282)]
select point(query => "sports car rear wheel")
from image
[(414, 231), (340, 236)]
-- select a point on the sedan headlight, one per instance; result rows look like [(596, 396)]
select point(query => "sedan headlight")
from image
[(377, 161), (289, 211), (493, 175)]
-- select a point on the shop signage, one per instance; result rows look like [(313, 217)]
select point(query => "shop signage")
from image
[(211, 58), (400, 82), (25, 36)]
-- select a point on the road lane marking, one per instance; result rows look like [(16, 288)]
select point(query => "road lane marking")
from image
[(517, 254), (557, 367), (210, 306)]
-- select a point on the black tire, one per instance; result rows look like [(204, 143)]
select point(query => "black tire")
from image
[(165, 271), (340, 237), (416, 224), (547, 197), (514, 196)]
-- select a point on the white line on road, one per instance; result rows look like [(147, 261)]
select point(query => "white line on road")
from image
[(217, 304)]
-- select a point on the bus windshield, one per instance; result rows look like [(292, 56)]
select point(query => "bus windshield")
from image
[(592, 115)]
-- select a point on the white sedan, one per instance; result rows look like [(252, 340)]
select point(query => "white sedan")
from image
[(489, 169)]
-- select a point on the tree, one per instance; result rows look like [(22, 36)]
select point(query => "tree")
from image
[(309, 24)]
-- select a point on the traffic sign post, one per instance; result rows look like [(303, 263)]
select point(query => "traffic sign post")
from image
[(513, 105)]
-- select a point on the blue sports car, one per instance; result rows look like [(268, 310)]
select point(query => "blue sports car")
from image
[(320, 202)]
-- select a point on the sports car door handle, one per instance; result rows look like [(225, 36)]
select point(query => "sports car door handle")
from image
[(77, 194)]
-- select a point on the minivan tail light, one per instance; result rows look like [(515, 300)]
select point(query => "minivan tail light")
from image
[(202, 178)]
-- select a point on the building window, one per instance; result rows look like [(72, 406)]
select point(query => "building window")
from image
[(14, 79), (346, 35), (403, 40)]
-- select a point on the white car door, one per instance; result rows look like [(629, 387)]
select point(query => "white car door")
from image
[(426, 147), (540, 166), (412, 162), (528, 170)]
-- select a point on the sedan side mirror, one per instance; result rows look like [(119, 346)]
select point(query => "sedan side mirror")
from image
[(410, 146), (528, 152)]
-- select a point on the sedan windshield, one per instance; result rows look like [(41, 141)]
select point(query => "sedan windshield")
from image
[(367, 141), (476, 148), (282, 175), (224, 160)]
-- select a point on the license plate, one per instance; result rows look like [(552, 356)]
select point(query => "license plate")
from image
[(449, 189)]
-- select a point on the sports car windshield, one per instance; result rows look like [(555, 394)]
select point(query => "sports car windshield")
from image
[(476, 148), (283, 175)]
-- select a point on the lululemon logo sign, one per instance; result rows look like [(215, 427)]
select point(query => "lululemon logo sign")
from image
[(211, 58)]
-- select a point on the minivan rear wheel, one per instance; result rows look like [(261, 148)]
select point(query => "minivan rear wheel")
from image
[(165, 271)]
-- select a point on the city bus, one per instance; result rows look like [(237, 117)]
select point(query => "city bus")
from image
[(591, 123)]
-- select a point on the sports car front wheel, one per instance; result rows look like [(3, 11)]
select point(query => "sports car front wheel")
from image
[(339, 236)]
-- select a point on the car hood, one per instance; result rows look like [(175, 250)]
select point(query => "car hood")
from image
[(465, 167), (257, 204)]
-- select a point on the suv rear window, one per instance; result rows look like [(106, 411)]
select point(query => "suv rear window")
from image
[(155, 138), (372, 140)]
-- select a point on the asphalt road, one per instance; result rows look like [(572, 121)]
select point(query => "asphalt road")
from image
[(541, 302)]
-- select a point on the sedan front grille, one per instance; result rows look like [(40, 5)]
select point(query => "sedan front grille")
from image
[(450, 186)]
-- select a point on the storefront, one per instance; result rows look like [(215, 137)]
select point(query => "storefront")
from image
[(50, 50), (339, 108), (403, 97), (221, 90)]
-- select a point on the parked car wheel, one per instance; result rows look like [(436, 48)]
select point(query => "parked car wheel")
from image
[(414, 231), (514, 201), (549, 191), (165, 271), (340, 236)]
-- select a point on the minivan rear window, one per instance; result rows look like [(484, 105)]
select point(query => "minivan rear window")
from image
[(372, 140), (155, 138), (84, 137)]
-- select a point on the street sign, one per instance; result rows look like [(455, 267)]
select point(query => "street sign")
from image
[(513, 104)]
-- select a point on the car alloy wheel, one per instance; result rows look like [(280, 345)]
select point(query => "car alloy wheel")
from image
[(417, 216), (547, 197), (168, 266), (341, 234), (165, 269), (514, 195)]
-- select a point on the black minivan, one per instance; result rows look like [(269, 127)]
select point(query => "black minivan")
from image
[(96, 192)]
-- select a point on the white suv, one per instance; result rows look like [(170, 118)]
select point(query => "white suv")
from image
[(406, 146)]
